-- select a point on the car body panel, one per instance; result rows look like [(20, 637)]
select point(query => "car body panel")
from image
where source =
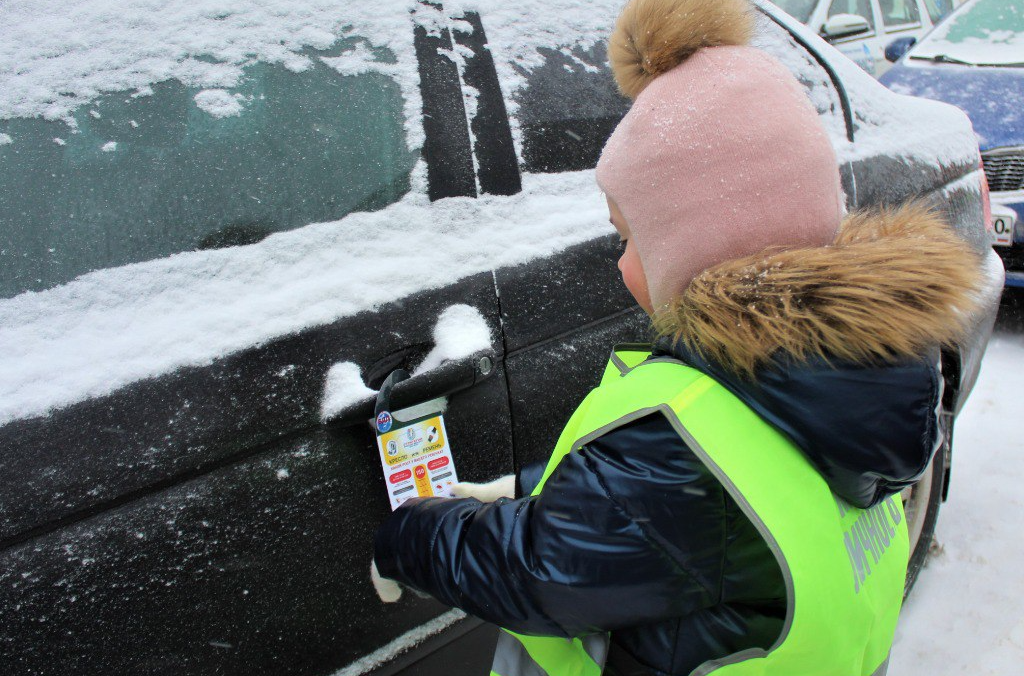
[(213, 503), (993, 97)]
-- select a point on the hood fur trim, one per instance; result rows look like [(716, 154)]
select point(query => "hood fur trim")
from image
[(652, 37), (895, 283)]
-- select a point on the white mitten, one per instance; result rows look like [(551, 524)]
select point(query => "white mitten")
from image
[(505, 487), (389, 591)]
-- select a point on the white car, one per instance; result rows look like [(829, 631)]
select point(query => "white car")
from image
[(861, 29)]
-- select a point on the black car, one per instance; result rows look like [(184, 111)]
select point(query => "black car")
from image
[(192, 236)]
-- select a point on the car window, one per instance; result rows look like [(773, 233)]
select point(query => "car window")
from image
[(938, 8), (138, 175), (899, 12), (798, 9), (860, 8), (567, 107)]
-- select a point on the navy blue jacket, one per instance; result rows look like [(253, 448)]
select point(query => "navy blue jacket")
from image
[(633, 535)]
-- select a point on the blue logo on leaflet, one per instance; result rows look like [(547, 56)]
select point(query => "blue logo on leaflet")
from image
[(384, 421)]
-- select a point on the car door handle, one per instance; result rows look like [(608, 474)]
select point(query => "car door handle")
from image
[(446, 379)]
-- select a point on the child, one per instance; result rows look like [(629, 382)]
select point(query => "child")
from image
[(724, 501)]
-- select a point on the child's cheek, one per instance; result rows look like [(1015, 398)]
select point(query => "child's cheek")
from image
[(633, 277)]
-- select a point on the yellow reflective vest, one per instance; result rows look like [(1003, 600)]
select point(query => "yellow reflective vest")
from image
[(844, 567)]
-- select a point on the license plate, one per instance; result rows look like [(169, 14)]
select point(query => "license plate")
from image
[(1002, 229)]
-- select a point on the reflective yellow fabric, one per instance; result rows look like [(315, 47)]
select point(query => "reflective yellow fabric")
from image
[(844, 567)]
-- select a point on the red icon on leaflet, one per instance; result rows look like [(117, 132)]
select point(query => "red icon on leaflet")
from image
[(420, 472), (437, 463), (400, 476), (439, 487)]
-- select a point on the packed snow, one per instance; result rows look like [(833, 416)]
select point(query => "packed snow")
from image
[(343, 387), (112, 327), (964, 616), (219, 102), (460, 332)]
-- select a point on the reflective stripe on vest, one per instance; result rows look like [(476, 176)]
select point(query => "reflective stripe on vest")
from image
[(844, 567)]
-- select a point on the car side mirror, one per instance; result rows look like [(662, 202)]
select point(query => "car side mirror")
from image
[(898, 47), (844, 26)]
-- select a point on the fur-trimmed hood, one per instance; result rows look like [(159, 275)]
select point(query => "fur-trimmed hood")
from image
[(895, 283), (838, 346)]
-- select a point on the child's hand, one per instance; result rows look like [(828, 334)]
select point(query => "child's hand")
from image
[(505, 487), (389, 591)]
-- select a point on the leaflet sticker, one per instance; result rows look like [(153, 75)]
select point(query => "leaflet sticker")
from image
[(416, 459)]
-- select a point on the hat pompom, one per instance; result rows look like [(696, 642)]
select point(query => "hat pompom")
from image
[(652, 37)]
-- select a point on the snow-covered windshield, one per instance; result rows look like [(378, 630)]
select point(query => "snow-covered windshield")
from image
[(798, 9), (981, 33)]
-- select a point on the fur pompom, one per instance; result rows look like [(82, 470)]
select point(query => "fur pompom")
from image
[(652, 37)]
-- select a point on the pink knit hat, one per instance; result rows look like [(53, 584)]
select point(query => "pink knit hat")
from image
[(722, 154)]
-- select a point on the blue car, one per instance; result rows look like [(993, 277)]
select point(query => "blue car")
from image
[(974, 59)]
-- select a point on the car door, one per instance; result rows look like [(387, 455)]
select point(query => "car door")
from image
[(172, 501), (862, 49), (899, 18)]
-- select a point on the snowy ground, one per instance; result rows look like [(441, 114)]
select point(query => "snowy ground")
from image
[(965, 615)]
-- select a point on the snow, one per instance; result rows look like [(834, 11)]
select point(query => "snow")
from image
[(401, 644), (109, 146), (56, 56), (889, 123), (357, 60), (777, 41), (460, 331), (989, 32), (5, 139), (344, 386), (113, 327), (517, 31), (219, 102), (964, 616)]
